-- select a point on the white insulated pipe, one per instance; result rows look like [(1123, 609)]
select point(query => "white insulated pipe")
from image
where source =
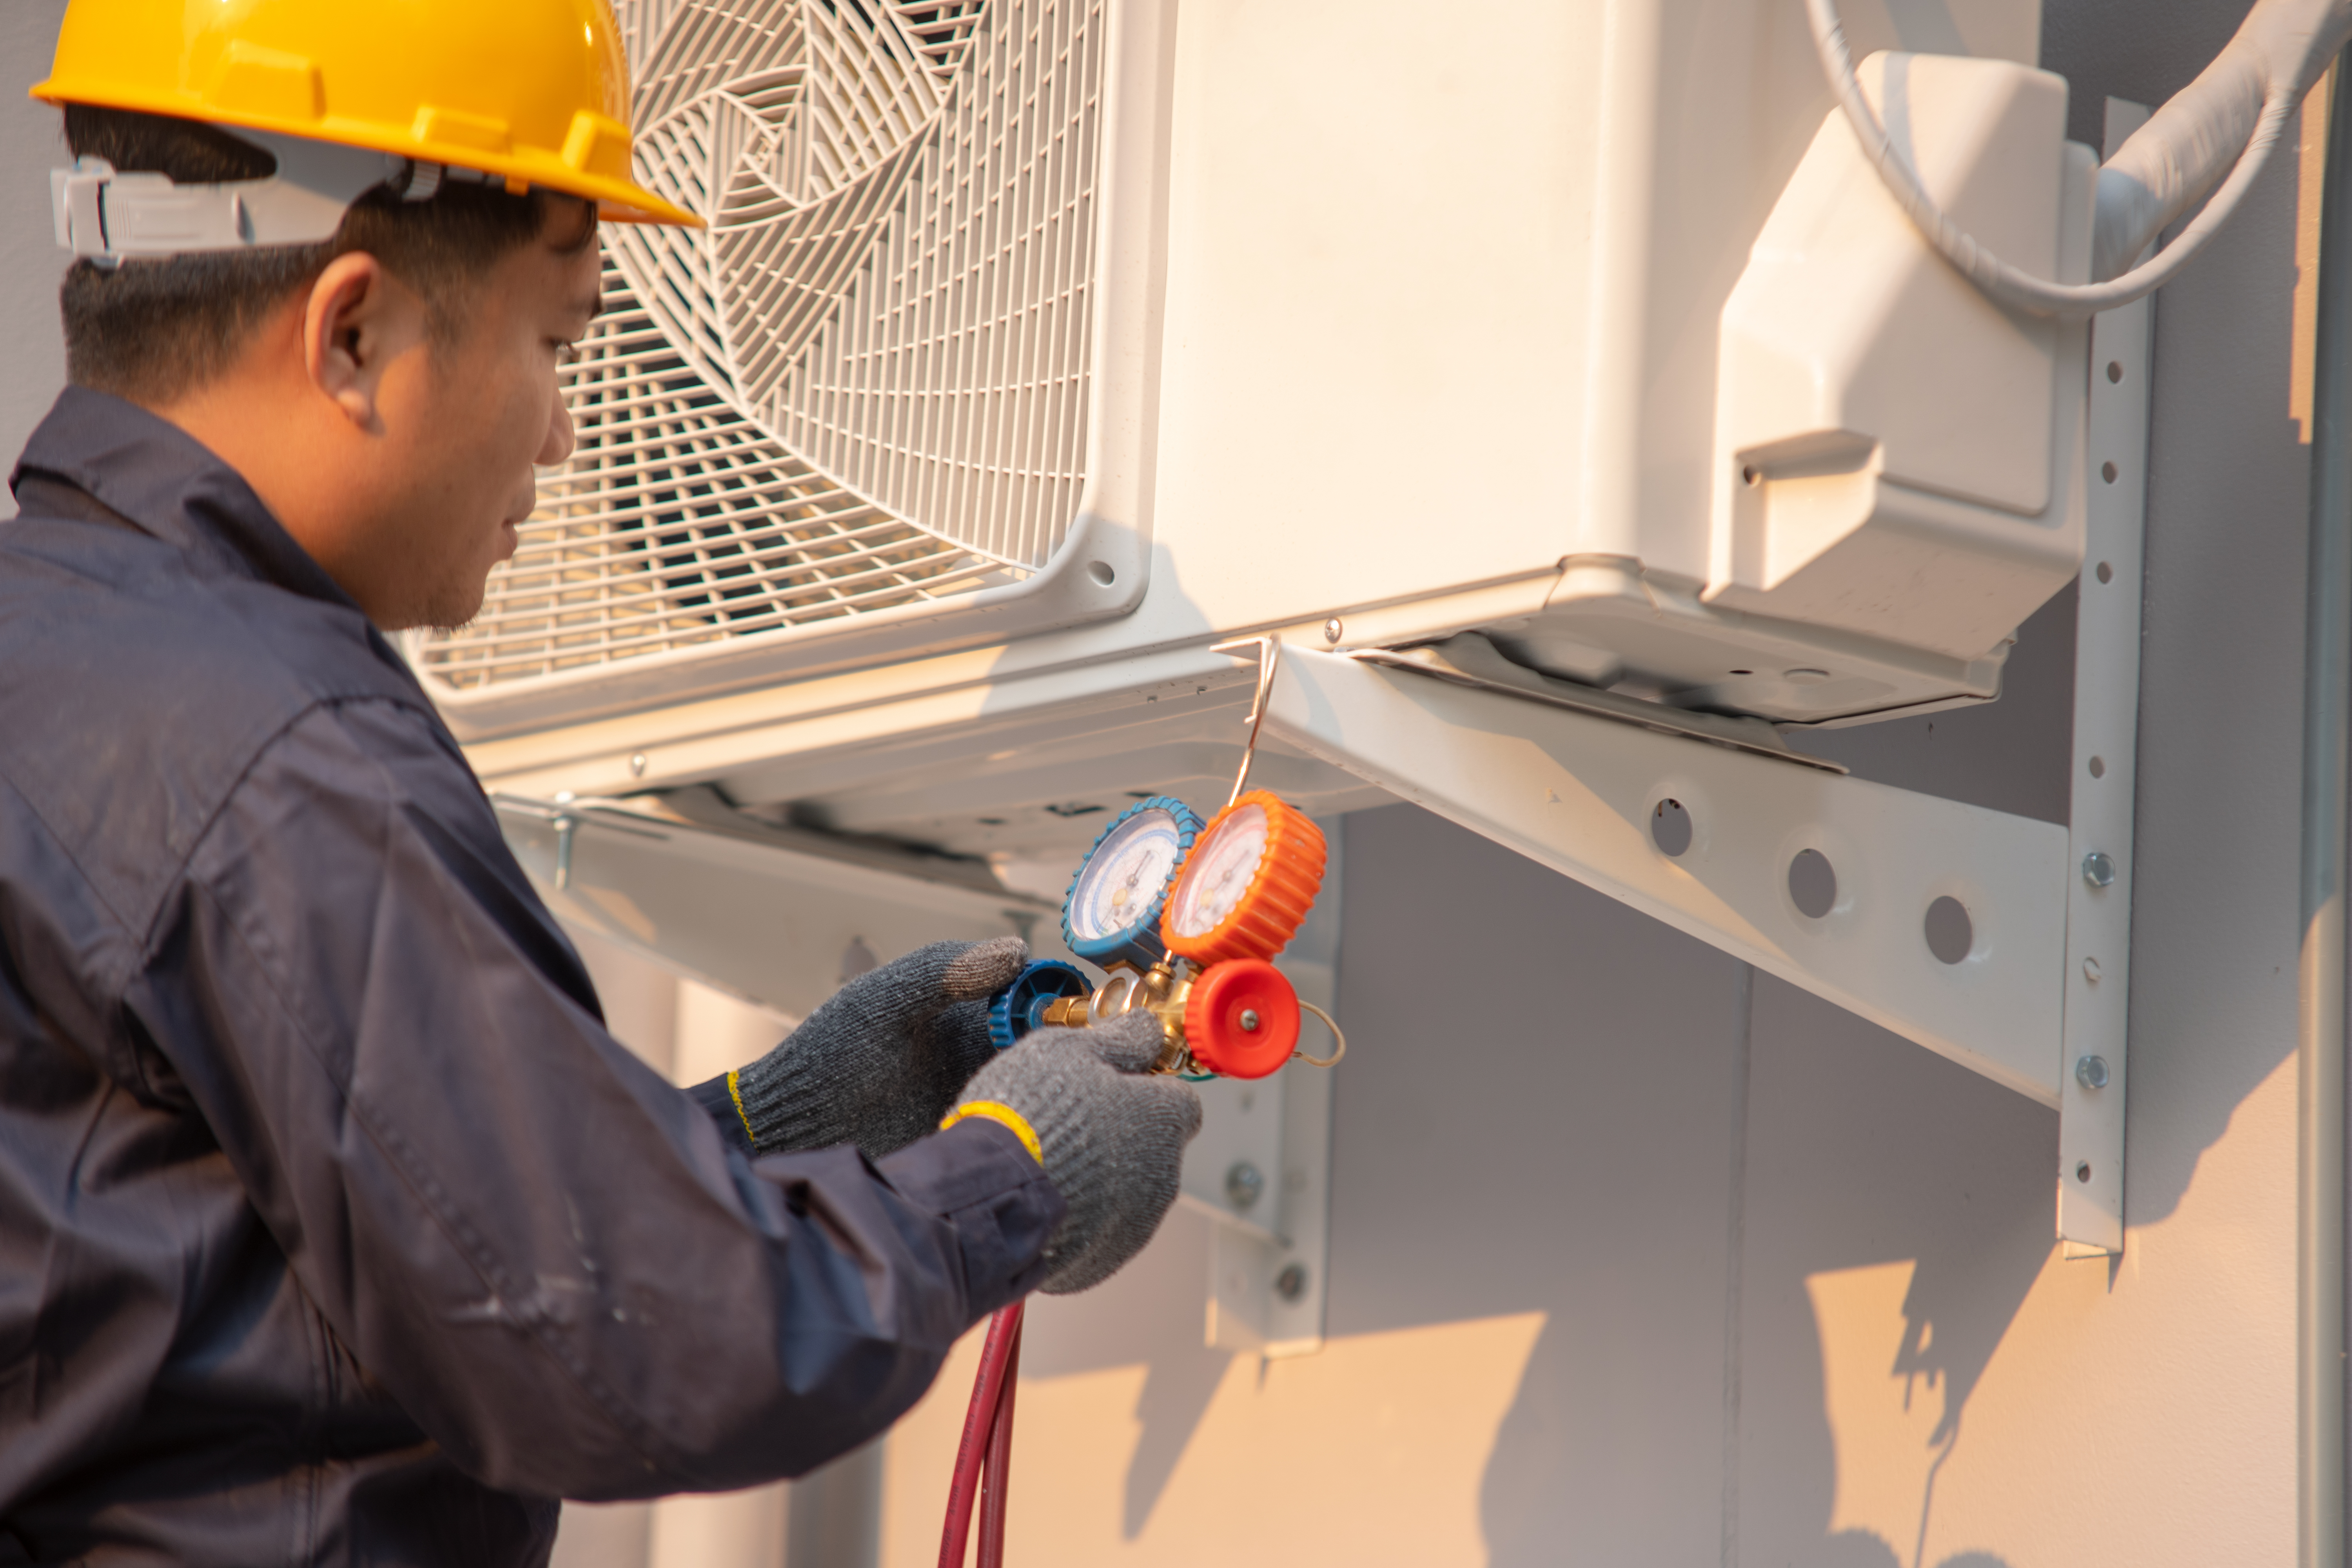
[(2219, 130)]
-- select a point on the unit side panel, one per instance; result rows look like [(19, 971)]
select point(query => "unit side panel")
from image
[(1379, 220)]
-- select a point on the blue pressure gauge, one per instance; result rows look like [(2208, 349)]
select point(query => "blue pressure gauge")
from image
[(1112, 913)]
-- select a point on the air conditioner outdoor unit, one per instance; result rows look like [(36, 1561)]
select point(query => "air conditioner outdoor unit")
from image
[(1035, 346)]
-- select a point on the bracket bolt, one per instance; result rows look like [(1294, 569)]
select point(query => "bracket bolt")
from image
[(637, 765), (1291, 1283), (2099, 869), (2091, 1072), (1332, 629), (1249, 1020), (1243, 1185), (2090, 971)]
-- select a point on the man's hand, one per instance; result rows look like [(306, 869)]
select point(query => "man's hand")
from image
[(1111, 1138), (882, 1060)]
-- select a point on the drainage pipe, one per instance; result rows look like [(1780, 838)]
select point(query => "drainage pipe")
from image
[(2326, 719)]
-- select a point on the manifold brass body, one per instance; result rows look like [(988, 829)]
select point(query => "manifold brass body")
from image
[(1160, 990)]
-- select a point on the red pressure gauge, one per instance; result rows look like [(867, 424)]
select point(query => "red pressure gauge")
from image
[(1249, 881)]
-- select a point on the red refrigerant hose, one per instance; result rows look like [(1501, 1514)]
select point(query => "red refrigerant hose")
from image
[(996, 1485), (987, 1445)]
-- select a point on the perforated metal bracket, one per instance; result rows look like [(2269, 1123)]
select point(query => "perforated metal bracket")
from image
[(2097, 978), (1260, 1168), (1998, 941)]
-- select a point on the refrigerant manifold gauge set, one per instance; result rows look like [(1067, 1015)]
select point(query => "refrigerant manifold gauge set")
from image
[(1184, 917)]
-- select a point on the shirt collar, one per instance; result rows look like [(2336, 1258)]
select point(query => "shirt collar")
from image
[(167, 484)]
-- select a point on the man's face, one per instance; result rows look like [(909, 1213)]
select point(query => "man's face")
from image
[(470, 417)]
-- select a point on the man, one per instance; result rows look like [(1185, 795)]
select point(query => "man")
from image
[(335, 1227)]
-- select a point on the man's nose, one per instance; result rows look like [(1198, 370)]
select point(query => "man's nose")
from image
[(561, 439)]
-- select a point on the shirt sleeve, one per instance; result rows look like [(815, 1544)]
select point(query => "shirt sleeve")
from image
[(548, 1254)]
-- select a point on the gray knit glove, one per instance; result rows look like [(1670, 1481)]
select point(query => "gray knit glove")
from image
[(883, 1060), (1112, 1139)]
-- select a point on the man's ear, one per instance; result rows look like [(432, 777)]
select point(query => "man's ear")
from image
[(358, 320)]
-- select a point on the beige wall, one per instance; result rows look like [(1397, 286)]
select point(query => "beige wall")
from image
[(32, 350)]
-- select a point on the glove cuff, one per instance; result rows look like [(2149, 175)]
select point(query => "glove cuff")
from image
[(788, 1101)]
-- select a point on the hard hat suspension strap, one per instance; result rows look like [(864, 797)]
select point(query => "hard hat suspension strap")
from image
[(108, 216)]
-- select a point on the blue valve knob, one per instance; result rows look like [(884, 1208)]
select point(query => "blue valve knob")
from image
[(1021, 1007)]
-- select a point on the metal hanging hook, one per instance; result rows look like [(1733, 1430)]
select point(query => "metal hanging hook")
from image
[(1269, 657)]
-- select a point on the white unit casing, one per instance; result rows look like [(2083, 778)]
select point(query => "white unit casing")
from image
[(1037, 345), (1889, 441)]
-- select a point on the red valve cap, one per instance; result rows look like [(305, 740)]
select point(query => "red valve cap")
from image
[(1242, 1018)]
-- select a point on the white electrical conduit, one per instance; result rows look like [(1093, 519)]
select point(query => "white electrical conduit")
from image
[(2326, 798), (2227, 120)]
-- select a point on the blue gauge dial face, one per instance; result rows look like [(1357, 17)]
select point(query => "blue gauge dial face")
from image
[(1119, 885)]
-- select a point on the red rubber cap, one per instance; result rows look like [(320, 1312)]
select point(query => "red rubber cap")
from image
[(1225, 1001)]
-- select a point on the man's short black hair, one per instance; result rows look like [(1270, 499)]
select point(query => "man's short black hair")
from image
[(151, 329)]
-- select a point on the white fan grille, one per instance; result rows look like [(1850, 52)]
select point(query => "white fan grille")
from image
[(864, 385)]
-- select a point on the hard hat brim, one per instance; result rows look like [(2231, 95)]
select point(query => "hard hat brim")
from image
[(620, 200)]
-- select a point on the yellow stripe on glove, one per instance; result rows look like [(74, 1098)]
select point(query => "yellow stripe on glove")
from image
[(1003, 1115)]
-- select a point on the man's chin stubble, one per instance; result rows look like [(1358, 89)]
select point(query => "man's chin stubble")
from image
[(453, 607)]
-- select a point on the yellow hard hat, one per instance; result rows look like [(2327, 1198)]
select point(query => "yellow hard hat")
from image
[(533, 91)]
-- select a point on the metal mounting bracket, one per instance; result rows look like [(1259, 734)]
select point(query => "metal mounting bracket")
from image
[(1261, 1169), (2000, 942), (2097, 977)]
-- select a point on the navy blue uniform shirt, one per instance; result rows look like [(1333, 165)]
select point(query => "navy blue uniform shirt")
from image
[(335, 1227)]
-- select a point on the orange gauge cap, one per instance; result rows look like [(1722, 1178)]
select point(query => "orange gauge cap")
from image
[(1241, 1019), (1252, 877)]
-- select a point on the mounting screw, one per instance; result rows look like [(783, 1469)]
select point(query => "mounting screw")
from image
[(637, 765), (1331, 630), (2091, 1072), (2091, 970), (1243, 1185), (1249, 1020), (2083, 1172), (1291, 1283), (2098, 869)]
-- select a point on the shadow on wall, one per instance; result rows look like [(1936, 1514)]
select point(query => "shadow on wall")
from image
[(1103, 1329), (1620, 1136), (1556, 1113), (1537, 1115), (1896, 1213)]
